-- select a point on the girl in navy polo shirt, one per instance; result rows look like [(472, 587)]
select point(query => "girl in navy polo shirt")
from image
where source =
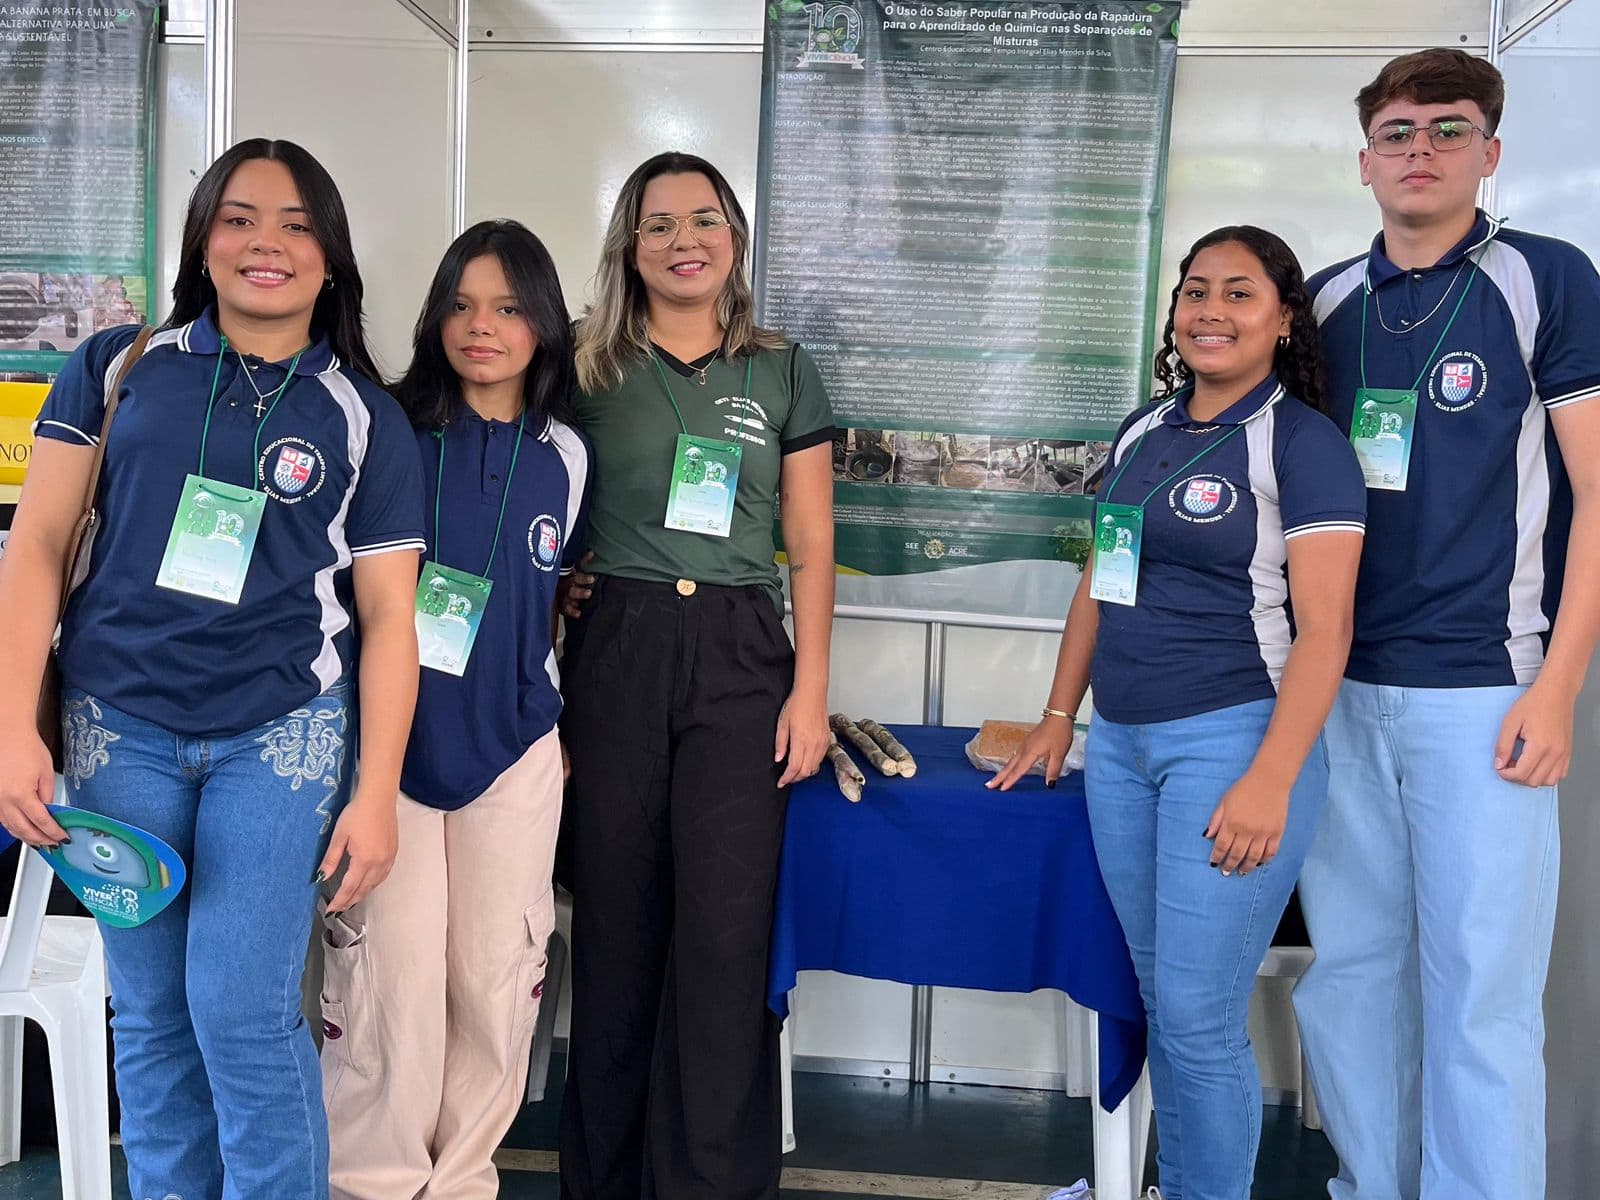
[(1206, 771), (260, 494), (433, 983)]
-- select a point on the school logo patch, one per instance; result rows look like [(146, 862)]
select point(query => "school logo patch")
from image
[(1458, 382), (1202, 499), (544, 542), (292, 470), (1202, 496)]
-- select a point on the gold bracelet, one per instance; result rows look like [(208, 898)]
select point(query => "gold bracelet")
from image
[(1055, 712)]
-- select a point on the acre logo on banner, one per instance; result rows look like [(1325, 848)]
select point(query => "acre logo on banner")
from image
[(834, 37)]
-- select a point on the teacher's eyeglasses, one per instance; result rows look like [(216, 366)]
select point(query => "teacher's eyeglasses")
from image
[(659, 232), (1394, 140)]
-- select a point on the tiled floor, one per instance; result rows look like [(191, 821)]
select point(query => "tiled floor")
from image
[(852, 1129)]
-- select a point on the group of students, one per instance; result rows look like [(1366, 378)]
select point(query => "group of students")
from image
[(1321, 627), (1309, 647), (293, 563)]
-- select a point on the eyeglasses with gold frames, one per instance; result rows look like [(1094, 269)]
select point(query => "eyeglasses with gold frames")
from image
[(660, 231)]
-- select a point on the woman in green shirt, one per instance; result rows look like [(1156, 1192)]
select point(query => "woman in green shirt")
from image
[(688, 713)]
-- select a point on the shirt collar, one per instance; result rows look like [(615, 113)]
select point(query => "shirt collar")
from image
[(1380, 270), (1247, 408), (538, 428), (201, 336)]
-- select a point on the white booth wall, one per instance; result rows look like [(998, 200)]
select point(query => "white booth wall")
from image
[(1263, 131), (1550, 176)]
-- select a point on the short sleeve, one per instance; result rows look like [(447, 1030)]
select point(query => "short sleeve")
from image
[(76, 406), (810, 419), (1121, 446), (386, 511), (1320, 485), (1566, 350), (578, 455)]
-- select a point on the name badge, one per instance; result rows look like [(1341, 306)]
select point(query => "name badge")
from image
[(449, 608), (1380, 430), (705, 479), (1118, 529), (212, 540)]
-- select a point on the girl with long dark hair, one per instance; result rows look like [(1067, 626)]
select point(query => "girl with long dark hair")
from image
[(1206, 771), (432, 984), (207, 674), (689, 712)]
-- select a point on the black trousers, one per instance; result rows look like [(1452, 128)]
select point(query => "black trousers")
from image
[(672, 705)]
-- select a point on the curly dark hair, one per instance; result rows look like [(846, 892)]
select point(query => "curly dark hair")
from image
[(1299, 363)]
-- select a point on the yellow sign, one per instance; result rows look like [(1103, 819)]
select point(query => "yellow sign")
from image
[(19, 406)]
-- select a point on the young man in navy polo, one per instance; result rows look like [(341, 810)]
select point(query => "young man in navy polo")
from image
[(1464, 362)]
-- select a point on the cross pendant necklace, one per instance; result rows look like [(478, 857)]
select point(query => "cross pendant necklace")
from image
[(261, 400)]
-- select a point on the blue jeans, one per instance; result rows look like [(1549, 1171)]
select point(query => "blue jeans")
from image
[(220, 1087), (1197, 937), (1430, 895)]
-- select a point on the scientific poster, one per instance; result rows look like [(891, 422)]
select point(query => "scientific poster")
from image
[(959, 217)]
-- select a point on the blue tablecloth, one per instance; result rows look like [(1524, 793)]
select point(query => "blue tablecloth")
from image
[(937, 880)]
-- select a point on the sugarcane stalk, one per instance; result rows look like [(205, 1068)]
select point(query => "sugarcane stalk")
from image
[(846, 729), (850, 778), (891, 746)]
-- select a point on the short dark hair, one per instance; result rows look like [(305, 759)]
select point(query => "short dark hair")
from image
[(338, 310), (1298, 362), (430, 390), (1436, 76)]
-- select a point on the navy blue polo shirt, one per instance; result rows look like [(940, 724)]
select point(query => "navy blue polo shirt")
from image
[(1211, 627), (469, 729), (339, 466), (1461, 573)]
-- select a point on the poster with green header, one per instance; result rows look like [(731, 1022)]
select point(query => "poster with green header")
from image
[(77, 193), (959, 216)]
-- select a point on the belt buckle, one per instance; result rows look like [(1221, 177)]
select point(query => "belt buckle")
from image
[(686, 587)]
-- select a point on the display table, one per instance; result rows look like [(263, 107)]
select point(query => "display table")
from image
[(936, 880)]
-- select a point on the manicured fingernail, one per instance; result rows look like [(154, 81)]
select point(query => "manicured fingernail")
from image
[(66, 840), (1050, 783), (1498, 763), (1213, 866), (319, 877), (1226, 873)]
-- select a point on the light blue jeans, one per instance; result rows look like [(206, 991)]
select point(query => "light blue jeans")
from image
[(1430, 895), (220, 1087), (1197, 937)]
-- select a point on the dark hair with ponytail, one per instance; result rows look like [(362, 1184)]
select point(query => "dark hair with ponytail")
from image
[(1299, 362), (337, 315)]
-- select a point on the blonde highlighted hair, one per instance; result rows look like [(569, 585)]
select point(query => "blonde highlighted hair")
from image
[(614, 332)]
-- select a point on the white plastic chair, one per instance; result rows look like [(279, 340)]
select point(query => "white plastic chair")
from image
[(53, 972)]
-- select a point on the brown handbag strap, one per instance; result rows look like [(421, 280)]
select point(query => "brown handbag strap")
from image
[(87, 517)]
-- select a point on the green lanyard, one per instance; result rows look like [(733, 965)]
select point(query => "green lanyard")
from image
[(1128, 462), (205, 432), (1366, 306), (750, 364), (438, 493)]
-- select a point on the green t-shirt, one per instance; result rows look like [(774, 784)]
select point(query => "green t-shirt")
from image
[(634, 432)]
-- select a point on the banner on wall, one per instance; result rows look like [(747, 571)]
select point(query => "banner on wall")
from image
[(959, 216), (77, 193)]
